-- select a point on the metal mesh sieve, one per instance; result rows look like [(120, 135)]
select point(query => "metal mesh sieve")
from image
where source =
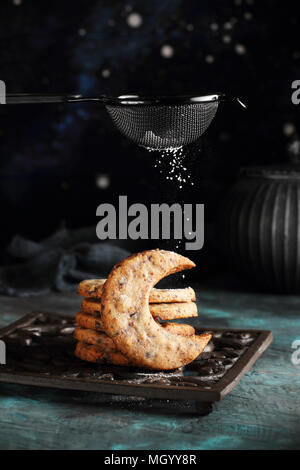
[(163, 126), (155, 122)]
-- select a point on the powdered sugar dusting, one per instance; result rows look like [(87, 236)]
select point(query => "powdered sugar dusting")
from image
[(176, 169)]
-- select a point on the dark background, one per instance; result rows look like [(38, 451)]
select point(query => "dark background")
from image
[(54, 157)]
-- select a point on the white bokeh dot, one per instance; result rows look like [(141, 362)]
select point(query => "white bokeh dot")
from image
[(65, 186), (214, 26), (228, 25), (224, 137), (134, 20), (102, 181), (190, 27), (17, 2), (288, 129), (209, 59), (167, 51), (82, 32), (226, 39), (294, 148), (240, 49), (105, 73)]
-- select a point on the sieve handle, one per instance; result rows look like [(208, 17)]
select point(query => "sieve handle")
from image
[(48, 98), (233, 99)]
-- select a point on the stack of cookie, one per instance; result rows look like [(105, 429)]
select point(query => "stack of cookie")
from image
[(95, 345)]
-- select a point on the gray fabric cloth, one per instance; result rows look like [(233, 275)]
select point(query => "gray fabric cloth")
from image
[(58, 263)]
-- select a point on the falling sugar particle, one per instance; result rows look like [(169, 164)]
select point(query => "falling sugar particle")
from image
[(82, 32), (134, 20), (167, 51), (248, 15), (17, 2), (176, 170)]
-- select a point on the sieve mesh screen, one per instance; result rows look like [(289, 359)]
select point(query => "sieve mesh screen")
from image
[(163, 126)]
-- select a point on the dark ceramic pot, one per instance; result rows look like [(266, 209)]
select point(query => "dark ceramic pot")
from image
[(260, 223)]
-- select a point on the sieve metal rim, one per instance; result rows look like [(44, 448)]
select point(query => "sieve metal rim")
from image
[(121, 100), (164, 100)]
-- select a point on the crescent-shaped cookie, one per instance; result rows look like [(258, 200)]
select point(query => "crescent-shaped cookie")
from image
[(127, 319), (94, 287), (165, 311)]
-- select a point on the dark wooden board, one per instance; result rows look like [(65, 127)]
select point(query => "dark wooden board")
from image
[(205, 391)]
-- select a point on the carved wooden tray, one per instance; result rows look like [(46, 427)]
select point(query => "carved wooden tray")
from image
[(40, 346)]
